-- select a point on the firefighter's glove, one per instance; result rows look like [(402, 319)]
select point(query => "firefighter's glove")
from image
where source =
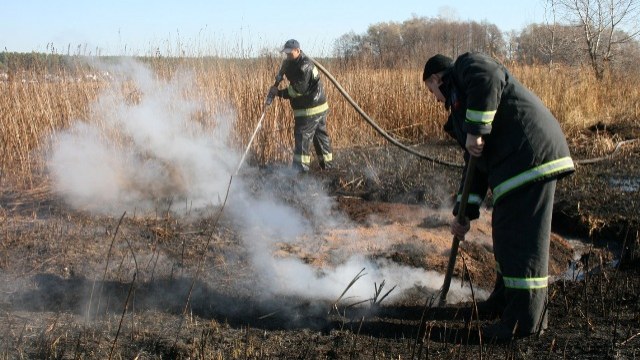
[(473, 210), (273, 92)]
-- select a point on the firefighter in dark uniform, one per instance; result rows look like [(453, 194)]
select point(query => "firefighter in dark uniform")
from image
[(309, 103), (521, 152)]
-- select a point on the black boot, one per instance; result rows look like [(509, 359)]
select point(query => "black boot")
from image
[(500, 332)]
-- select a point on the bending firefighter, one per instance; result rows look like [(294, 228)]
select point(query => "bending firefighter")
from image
[(521, 152), (309, 103)]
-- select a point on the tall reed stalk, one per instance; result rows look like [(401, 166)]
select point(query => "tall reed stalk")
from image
[(34, 110)]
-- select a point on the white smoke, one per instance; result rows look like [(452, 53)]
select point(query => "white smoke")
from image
[(142, 147), (268, 222)]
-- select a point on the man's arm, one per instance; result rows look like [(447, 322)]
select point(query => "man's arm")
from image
[(484, 79)]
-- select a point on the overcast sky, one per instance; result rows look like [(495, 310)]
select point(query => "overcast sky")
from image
[(129, 27)]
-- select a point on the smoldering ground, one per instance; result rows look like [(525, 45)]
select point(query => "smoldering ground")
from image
[(140, 149)]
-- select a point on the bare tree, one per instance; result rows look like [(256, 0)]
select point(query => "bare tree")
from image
[(606, 26), (410, 42), (549, 44), (386, 41), (552, 30), (347, 45)]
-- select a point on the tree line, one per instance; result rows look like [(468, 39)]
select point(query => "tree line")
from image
[(601, 34), (14, 62)]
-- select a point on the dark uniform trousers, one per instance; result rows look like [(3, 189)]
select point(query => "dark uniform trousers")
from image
[(521, 234), (310, 129)]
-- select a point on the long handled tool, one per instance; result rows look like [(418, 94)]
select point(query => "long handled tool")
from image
[(460, 218)]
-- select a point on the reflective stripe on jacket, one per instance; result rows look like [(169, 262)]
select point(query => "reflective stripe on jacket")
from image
[(305, 91), (523, 140)]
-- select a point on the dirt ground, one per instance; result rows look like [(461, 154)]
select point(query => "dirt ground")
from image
[(80, 285)]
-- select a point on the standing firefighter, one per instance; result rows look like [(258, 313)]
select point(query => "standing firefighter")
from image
[(309, 103), (521, 152)]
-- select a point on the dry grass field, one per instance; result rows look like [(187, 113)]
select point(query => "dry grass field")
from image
[(118, 239), (31, 112)]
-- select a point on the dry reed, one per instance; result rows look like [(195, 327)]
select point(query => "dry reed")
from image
[(31, 112)]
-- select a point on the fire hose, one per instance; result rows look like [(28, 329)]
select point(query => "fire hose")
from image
[(395, 142), (374, 125)]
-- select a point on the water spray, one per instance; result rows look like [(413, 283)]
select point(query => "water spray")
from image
[(267, 103), (255, 131)]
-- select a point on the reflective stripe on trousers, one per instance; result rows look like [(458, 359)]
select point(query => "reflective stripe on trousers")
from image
[(525, 283), (311, 130), (521, 224)]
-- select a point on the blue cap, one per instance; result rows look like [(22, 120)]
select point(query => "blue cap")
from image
[(290, 45)]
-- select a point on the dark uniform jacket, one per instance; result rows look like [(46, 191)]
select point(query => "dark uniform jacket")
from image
[(523, 140), (305, 90)]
